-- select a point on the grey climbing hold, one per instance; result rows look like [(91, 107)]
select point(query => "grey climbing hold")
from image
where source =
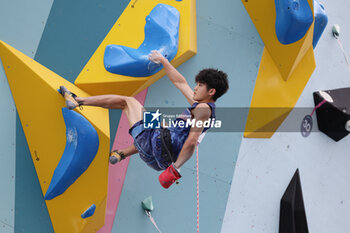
[(147, 204), (336, 30)]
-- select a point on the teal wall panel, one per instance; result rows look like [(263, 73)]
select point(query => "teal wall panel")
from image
[(21, 25), (73, 32), (31, 211), (175, 208), (230, 16), (7, 154)]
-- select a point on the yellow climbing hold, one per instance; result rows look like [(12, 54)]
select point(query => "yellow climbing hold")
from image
[(34, 89), (129, 31)]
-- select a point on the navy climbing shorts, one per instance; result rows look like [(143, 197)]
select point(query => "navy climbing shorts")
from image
[(148, 143)]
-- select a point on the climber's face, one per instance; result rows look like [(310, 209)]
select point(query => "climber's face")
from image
[(201, 92)]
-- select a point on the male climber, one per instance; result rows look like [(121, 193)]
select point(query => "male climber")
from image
[(165, 148)]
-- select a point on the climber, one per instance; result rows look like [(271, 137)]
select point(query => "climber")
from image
[(164, 148)]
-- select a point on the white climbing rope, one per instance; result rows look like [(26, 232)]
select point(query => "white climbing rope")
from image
[(148, 213), (197, 191), (342, 49)]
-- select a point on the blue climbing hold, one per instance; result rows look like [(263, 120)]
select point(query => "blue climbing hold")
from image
[(321, 21), (293, 20), (81, 148), (161, 33), (89, 212)]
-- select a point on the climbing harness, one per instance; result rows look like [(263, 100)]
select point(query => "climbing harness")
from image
[(166, 145)]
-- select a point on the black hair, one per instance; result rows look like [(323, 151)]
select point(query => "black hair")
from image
[(213, 78)]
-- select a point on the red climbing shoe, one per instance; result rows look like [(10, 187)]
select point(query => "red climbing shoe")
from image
[(169, 176)]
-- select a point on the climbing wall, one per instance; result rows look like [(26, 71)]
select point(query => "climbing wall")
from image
[(241, 179), (265, 166)]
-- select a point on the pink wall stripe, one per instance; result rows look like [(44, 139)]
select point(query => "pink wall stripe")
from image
[(117, 173)]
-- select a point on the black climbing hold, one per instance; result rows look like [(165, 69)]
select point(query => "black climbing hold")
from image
[(292, 211), (333, 118)]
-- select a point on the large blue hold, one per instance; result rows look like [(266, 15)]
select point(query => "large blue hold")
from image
[(293, 20), (321, 21), (161, 33), (81, 148)]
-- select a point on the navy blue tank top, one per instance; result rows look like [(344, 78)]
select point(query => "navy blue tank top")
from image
[(180, 134)]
